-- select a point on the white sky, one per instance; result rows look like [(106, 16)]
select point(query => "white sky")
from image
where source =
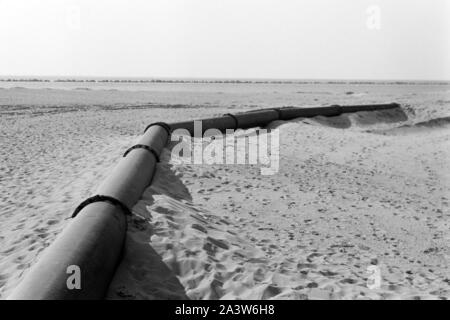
[(227, 39)]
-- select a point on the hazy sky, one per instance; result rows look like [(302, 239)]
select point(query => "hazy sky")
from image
[(345, 39)]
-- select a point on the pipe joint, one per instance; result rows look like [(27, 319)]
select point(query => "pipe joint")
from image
[(143, 146), (236, 121), (278, 110), (164, 125), (101, 198)]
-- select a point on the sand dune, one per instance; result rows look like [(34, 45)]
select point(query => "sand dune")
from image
[(423, 127)]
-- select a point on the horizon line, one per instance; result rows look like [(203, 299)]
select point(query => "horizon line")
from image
[(222, 78)]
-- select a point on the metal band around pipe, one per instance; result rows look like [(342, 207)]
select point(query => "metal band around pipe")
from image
[(161, 124), (234, 118), (278, 110), (99, 198), (145, 147)]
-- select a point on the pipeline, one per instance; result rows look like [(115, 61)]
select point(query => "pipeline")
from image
[(93, 241), (263, 117)]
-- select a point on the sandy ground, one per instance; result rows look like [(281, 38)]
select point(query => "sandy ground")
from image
[(352, 192)]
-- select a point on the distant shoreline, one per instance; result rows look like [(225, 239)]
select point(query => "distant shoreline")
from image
[(220, 81)]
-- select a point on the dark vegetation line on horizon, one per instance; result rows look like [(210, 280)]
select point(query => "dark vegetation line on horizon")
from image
[(225, 81)]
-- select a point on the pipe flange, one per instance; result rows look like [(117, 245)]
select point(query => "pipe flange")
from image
[(101, 198), (236, 121), (278, 110), (143, 146), (164, 125), (341, 110)]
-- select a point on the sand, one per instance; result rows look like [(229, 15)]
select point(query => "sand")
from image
[(354, 191), (344, 199)]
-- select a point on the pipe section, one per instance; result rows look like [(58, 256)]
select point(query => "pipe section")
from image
[(263, 117), (92, 242)]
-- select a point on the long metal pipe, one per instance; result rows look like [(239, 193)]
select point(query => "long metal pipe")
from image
[(93, 240), (262, 117)]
